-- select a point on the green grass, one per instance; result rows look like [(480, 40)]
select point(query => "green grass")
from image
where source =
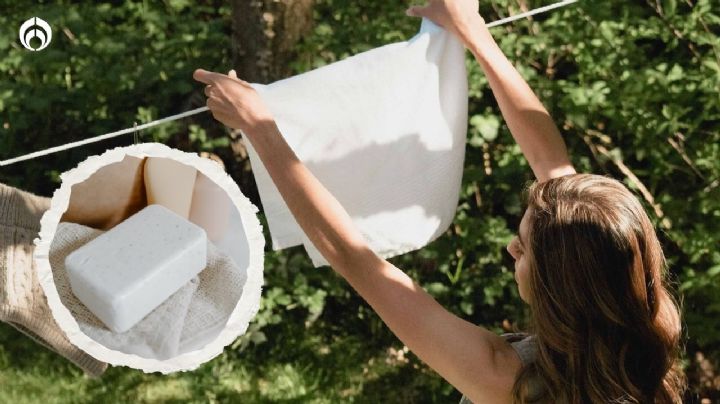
[(339, 357)]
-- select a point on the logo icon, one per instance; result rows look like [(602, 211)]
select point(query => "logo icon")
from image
[(35, 28)]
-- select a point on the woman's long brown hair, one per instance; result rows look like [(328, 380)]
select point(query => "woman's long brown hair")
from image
[(606, 326)]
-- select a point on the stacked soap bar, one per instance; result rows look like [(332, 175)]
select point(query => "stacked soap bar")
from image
[(125, 273)]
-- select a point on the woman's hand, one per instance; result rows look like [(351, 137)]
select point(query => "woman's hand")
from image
[(232, 101), (456, 16)]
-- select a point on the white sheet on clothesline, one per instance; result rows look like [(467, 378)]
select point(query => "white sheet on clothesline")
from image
[(384, 131)]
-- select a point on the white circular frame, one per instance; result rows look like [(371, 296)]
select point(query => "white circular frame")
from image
[(240, 317)]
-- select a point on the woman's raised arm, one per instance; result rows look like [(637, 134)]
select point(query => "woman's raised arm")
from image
[(528, 120), (479, 363)]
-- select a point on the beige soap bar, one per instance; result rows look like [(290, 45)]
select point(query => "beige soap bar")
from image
[(210, 208), (170, 183)]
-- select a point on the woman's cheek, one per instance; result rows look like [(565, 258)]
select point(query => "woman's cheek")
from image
[(521, 273)]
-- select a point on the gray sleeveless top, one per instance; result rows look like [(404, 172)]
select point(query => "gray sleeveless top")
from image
[(524, 345)]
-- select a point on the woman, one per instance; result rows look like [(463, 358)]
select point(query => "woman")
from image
[(588, 262)]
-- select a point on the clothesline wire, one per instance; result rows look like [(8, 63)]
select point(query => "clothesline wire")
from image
[(195, 111), (531, 13), (103, 137)]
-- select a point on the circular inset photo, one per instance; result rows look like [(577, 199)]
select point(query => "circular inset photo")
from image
[(151, 258)]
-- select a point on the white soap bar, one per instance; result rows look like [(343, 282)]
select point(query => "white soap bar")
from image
[(126, 272)]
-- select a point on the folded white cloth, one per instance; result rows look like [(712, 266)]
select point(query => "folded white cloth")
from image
[(191, 314), (384, 131), (221, 285)]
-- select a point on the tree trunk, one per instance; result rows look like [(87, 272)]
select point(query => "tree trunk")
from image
[(264, 36), (265, 33)]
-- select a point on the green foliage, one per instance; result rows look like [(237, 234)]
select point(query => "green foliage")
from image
[(109, 65), (639, 79)]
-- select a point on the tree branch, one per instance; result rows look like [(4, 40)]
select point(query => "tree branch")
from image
[(598, 148)]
